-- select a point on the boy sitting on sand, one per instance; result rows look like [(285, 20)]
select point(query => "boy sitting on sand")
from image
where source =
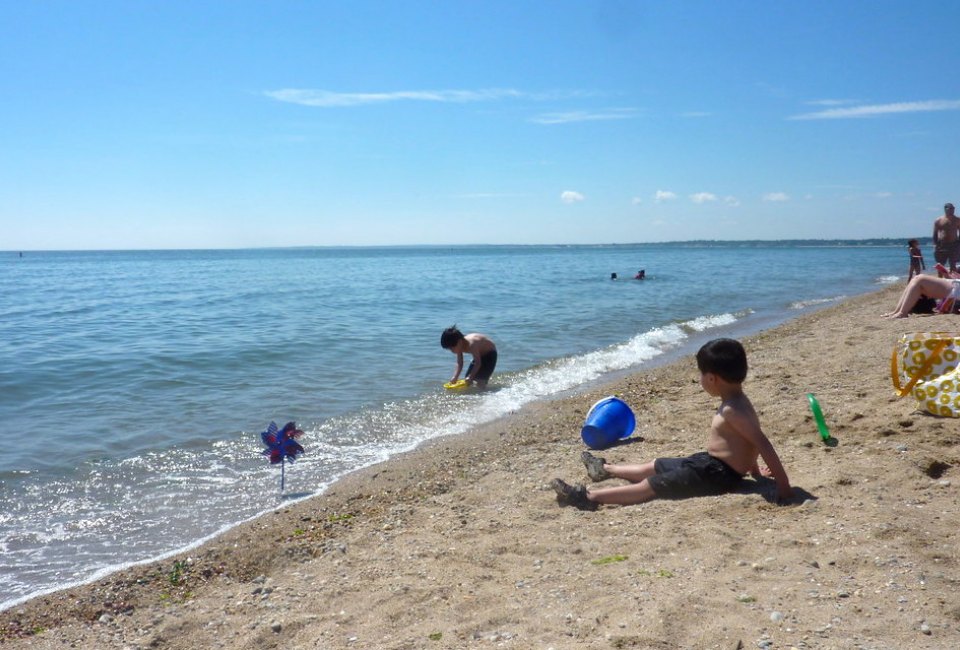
[(479, 346), (733, 446)]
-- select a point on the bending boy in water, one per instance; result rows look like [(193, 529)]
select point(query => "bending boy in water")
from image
[(734, 443), (479, 346)]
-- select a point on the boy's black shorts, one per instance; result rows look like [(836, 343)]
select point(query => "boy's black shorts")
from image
[(488, 362), (699, 475)]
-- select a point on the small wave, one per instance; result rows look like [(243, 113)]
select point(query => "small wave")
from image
[(704, 323), (887, 279), (813, 302)]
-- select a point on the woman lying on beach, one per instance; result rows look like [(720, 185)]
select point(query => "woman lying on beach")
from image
[(925, 285)]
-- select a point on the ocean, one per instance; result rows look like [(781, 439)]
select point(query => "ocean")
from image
[(135, 384)]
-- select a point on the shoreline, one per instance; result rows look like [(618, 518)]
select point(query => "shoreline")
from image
[(745, 323), (461, 537)]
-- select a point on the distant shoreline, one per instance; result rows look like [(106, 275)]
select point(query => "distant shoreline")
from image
[(693, 243)]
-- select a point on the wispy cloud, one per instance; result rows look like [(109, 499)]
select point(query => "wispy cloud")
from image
[(636, 200), (585, 116), (663, 195), (776, 196), (330, 99), (881, 109), (732, 201), (831, 102), (703, 197), (571, 197)]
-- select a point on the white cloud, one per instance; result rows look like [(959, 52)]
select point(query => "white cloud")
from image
[(329, 99), (585, 116), (831, 102), (881, 109), (572, 197), (732, 201), (636, 200), (703, 197), (883, 195), (663, 195), (776, 196)]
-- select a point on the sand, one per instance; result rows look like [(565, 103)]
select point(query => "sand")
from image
[(461, 544)]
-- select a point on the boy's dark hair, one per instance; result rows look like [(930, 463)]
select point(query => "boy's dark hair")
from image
[(912, 242), (450, 337), (725, 358)]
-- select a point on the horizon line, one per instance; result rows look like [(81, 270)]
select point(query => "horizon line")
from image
[(673, 242)]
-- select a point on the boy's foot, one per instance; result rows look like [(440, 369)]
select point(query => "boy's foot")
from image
[(572, 495), (594, 467)]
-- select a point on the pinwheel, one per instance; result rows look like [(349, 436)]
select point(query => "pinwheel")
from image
[(282, 445)]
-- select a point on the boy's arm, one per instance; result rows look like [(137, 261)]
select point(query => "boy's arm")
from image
[(456, 373), (749, 428), (476, 363)]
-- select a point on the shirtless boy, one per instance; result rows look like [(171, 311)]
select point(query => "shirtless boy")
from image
[(946, 238), (734, 443), (479, 346)]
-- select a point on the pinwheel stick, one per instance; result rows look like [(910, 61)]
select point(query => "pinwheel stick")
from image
[(281, 445)]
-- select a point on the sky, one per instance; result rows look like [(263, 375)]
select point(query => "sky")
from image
[(237, 124)]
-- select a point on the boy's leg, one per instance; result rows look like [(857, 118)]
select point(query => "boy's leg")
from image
[(596, 466), (572, 495), (488, 364), (583, 499), (598, 469), (624, 495), (632, 473)]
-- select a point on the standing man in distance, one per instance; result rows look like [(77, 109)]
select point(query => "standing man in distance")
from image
[(946, 238)]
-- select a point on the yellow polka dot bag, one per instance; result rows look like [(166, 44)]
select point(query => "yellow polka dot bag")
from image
[(926, 365)]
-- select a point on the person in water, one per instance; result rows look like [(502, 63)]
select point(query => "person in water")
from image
[(641, 274), (733, 445), (479, 346)]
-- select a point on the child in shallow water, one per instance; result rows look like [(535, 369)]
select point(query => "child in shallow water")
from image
[(479, 346)]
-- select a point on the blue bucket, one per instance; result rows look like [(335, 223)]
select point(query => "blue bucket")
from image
[(608, 420)]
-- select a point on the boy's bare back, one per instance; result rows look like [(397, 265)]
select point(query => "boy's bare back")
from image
[(728, 441), (737, 439), (478, 344)]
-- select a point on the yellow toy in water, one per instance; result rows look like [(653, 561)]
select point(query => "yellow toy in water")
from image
[(460, 384)]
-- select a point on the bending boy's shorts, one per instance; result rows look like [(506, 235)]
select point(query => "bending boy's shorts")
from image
[(699, 475), (488, 362)]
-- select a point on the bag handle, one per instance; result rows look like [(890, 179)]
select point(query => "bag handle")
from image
[(921, 371)]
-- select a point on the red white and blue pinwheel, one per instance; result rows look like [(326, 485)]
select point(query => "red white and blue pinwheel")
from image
[(281, 445)]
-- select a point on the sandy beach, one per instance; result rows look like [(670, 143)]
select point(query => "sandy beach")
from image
[(460, 544)]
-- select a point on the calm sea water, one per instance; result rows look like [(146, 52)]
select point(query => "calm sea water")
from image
[(134, 385)]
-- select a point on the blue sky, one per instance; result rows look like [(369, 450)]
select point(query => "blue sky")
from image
[(240, 124)]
